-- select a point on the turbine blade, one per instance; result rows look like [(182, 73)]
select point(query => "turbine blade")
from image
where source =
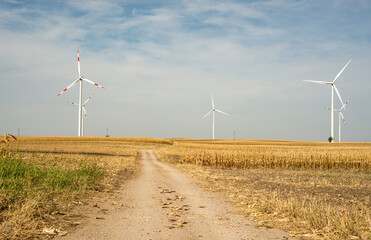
[(87, 100), (335, 110), (221, 112), (207, 114), (78, 63), (212, 101), (320, 82), (342, 116), (343, 107), (96, 84), (69, 86), (83, 109), (341, 71), (337, 91), (73, 103)]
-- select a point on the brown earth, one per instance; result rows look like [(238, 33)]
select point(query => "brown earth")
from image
[(162, 203)]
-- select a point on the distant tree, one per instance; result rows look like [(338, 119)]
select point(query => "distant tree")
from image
[(330, 139)]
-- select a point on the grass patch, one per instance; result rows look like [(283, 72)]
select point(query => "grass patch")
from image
[(24, 184), (19, 179)]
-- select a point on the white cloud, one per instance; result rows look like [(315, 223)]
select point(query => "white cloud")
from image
[(162, 61)]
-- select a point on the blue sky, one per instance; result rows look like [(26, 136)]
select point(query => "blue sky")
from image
[(161, 60)]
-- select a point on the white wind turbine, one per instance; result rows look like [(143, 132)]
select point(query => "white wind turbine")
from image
[(332, 95), (341, 117), (84, 110), (80, 79), (213, 110)]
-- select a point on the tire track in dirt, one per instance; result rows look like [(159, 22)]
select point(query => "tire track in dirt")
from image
[(162, 203)]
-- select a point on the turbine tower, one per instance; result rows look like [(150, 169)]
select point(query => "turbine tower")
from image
[(84, 111), (332, 96), (80, 79), (213, 110), (341, 117)]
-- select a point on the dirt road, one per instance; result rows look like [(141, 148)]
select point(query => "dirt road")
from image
[(162, 203)]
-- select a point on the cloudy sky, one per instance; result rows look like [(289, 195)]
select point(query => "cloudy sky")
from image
[(160, 61)]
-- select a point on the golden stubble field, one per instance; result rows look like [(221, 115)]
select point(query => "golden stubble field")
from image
[(313, 190), (44, 179)]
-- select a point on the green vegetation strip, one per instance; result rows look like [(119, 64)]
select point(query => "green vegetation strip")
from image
[(20, 180)]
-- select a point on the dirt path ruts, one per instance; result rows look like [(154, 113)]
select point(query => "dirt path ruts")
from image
[(162, 203)]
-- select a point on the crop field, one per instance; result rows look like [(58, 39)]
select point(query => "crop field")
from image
[(313, 190), (43, 178)]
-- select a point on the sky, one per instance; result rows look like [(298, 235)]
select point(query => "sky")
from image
[(160, 62)]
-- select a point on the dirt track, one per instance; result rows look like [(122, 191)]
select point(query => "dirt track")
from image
[(162, 203)]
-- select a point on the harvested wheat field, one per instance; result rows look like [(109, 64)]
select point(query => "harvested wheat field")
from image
[(313, 190), (128, 188)]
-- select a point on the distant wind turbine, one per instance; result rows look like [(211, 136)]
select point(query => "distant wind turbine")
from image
[(84, 110), (80, 79), (341, 117), (332, 96), (213, 110)]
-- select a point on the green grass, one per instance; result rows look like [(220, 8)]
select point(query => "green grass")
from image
[(20, 180)]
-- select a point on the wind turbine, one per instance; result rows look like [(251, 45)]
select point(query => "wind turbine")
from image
[(84, 110), (332, 96), (213, 110), (80, 79), (341, 117)]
